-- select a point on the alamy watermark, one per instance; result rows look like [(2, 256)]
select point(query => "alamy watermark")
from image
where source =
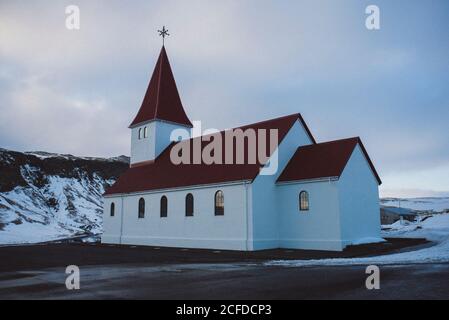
[(372, 22), (72, 20), (234, 146), (373, 280), (72, 282)]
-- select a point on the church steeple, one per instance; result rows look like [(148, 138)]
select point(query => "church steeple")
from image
[(162, 101), (161, 113)]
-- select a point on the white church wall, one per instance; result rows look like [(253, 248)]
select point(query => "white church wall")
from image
[(143, 149), (163, 133), (266, 200), (112, 225), (317, 228), (203, 230), (359, 201)]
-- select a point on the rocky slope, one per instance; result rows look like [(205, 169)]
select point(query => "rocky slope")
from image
[(45, 196)]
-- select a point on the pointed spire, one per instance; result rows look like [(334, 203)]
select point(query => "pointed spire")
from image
[(162, 101)]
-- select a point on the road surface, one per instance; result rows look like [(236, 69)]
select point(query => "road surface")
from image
[(188, 275)]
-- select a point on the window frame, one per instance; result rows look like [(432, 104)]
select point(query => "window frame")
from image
[(163, 213), (304, 203), (145, 132), (219, 210), (189, 205), (141, 208), (112, 209)]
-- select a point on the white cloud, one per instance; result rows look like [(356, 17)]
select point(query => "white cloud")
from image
[(43, 118), (234, 61)]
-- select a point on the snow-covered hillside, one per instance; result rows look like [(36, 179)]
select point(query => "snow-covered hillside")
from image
[(435, 204), (46, 196)]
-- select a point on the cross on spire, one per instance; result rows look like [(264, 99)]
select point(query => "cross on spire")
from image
[(164, 33)]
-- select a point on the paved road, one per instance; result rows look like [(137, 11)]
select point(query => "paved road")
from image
[(226, 279)]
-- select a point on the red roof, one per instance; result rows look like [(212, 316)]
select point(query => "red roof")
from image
[(162, 99), (162, 173), (323, 160)]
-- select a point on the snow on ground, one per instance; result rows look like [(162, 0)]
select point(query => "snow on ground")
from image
[(434, 228), (33, 233), (46, 196), (368, 240), (419, 204), (28, 218)]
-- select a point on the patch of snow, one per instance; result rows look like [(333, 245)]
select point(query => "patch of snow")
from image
[(368, 240), (53, 199), (32, 233), (27, 217)]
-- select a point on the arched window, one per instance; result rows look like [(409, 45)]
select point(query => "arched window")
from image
[(141, 208), (189, 205), (140, 133), (112, 209), (163, 206), (303, 201), (219, 203), (145, 132)]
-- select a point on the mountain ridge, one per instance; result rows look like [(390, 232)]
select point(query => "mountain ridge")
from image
[(46, 196)]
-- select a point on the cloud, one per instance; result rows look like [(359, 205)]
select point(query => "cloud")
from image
[(430, 178), (43, 118), (235, 62)]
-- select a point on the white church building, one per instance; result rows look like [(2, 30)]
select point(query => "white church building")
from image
[(323, 196)]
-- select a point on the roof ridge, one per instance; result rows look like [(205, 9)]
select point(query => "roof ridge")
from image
[(239, 127), (333, 141), (268, 120), (158, 91)]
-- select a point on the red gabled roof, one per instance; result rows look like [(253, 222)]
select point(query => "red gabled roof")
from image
[(162, 99), (162, 173), (323, 160)]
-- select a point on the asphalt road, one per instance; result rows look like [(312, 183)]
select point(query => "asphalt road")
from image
[(38, 272), (228, 281)]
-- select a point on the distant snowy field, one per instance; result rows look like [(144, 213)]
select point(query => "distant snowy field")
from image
[(418, 204), (434, 228)]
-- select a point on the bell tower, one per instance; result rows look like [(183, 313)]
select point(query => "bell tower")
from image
[(161, 112)]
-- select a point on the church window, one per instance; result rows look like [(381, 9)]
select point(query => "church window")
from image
[(141, 208), (219, 203), (303, 201), (164, 207), (112, 209), (145, 132), (189, 205)]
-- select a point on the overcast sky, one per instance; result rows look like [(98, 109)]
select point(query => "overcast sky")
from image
[(235, 62)]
